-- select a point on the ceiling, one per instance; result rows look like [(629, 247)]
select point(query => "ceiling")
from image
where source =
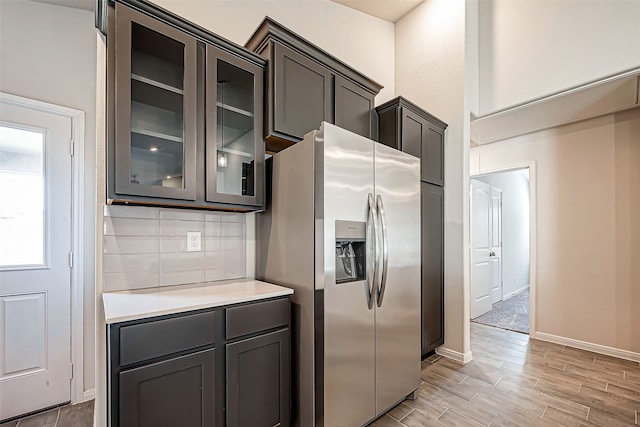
[(77, 4), (389, 10)]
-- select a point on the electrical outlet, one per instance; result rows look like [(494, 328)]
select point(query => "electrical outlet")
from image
[(194, 241)]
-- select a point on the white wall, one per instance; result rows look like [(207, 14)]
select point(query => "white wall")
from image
[(588, 233), (430, 71), (532, 48), (362, 41), (515, 228), (48, 53)]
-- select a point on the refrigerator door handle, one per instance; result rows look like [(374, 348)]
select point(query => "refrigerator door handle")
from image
[(371, 281), (385, 250)]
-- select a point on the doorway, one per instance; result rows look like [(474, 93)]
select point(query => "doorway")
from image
[(40, 288), (500, 254)]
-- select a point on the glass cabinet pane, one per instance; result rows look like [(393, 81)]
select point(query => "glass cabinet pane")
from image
[(157, 100), (235, 142)]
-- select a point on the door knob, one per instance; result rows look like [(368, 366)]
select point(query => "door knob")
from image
[(492, 254)]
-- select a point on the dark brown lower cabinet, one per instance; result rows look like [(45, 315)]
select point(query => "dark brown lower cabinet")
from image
[(258, 381), (432, 201), (228, 366), (176, 392)]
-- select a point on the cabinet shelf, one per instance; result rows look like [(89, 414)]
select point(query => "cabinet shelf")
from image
[(234, 109), (153, 134), (157, 84)]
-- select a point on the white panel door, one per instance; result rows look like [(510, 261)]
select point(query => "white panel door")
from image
[(480, 248), (35, 243), (495, 248)]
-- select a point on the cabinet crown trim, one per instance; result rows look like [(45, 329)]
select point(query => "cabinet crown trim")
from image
[(270, 30), (404, 102)]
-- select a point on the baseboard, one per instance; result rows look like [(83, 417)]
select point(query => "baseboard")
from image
[(88, 395), (514, 293), (583, 345), (456, 356)]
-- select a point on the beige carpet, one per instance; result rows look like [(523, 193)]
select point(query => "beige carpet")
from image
[(511, 314)]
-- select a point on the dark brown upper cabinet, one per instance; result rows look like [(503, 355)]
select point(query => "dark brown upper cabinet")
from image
[(306, 85), (353, 108), (303, 94), (234, 141), (407, 127), (184, 113), (155, 154)]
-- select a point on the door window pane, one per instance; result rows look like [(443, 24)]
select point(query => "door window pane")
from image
[(22, 197), (235, 139)]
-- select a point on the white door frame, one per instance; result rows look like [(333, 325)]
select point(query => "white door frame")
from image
[(533, 234), (77, 226)]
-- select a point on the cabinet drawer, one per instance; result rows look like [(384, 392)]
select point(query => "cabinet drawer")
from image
[(162, 337), (257, 317)]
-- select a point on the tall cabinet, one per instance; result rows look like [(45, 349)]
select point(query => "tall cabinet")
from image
[(407, 127)]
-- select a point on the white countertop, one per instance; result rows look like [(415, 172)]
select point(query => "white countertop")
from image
[(139, 304)]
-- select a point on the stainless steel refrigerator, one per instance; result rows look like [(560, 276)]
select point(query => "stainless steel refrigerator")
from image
[(342, 228)]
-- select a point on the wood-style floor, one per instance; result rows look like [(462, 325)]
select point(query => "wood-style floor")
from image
[(515, 381)]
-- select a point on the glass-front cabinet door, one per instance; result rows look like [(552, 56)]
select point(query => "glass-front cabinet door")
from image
[(234, 133), (155, 114)]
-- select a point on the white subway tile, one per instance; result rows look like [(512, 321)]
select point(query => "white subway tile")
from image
[(212, 229), (120, 211), (130, 245), (232, 217), (211, 244), (130, 227), (232, 229), (232, 244), (209, 217), (212, 274), (123, 263), (181, 215), (130, 280), (234, 257), (170, 227), (213, 259), (168, 278), (234, 271), (173, 244), (181, 261)]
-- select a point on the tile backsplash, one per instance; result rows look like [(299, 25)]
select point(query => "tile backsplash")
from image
[(147, 247)]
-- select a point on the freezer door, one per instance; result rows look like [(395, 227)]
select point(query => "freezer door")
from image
[(397, 182), (345, 384)]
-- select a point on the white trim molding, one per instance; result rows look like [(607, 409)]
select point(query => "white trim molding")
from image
[(516, 292), (456, 356), (583, 345), (88, 395), (77, 118)]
